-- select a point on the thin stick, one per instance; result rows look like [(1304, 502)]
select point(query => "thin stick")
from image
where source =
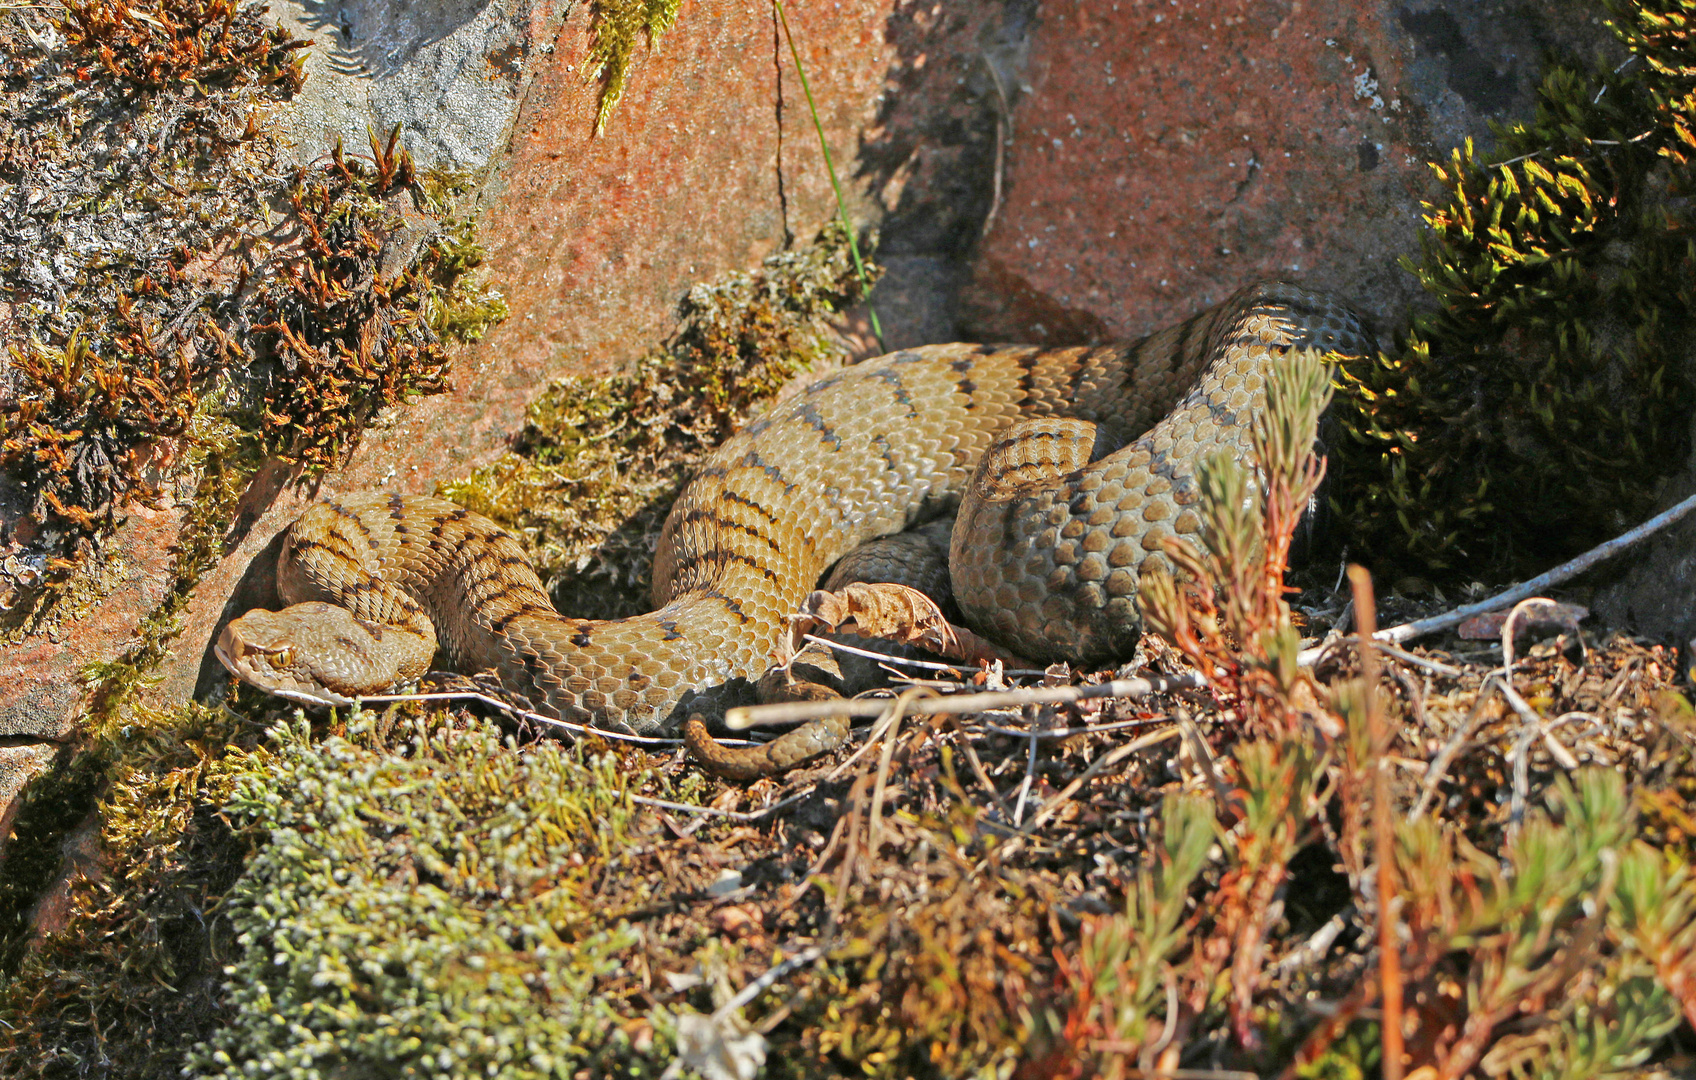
[(754, 989), (891, 658), (830, 167), (1433, 666), (1389, 953), (1511, 624), (1564, 572), (1025, 784), (1106, 761), (874, 828), (744, 716), (1003, 122), (1066, 733), (983, 776), (733, 815), (534, 717)]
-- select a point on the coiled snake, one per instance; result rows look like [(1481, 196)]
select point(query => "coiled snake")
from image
[(1074, 463)]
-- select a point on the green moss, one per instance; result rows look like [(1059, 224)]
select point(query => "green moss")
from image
[(124, 983), (617, 26), (460, 308), (1530, 413), (427, 906)]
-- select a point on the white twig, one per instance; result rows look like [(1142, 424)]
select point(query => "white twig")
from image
[(1564, 572), (1025, 784), (879, 731), (891, 658), (1314, 948), (1510, 625), (874, 828), (1003, 130), (1433, 666), (1066, 733), (525, 714), (748, 715), (758, 986), (733, 815)]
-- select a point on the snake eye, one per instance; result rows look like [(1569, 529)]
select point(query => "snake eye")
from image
[(283, 657)]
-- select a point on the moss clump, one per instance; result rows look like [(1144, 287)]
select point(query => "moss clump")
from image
[(938, 979), (617, 26), (130, 207), (1529, 414), (353, 322), (168, 322), (601, 459), (426, 906), (215, 42), (125, 983)]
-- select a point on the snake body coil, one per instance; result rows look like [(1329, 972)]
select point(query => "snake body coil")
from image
[(1084, 461)]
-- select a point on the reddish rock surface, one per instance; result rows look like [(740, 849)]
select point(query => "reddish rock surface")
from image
[(40, 688), (1164, 153)]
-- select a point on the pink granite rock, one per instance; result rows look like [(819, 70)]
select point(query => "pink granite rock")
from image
[(1164, 153)]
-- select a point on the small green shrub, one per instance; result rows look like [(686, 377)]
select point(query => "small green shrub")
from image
[(1530, 413)]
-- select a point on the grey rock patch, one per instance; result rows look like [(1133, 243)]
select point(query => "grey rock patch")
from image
[(1652, 590), (1482, 59), (916, 300), (48, 712), (449, 72)]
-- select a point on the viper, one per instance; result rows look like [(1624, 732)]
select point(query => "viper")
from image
[(1067, 468)]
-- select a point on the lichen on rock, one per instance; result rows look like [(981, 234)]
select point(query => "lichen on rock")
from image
[(428, 901)]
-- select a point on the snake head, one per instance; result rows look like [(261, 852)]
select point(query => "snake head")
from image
[(312, 653)]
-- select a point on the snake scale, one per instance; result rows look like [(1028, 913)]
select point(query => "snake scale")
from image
[(1070, 465)]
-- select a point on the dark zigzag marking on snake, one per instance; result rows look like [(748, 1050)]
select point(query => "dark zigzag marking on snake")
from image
[(753, 460), (810, 413), (708, 514), (731, 604), (500, 625), (898, 389), (729, 495), (722, 555), (880, 442)]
